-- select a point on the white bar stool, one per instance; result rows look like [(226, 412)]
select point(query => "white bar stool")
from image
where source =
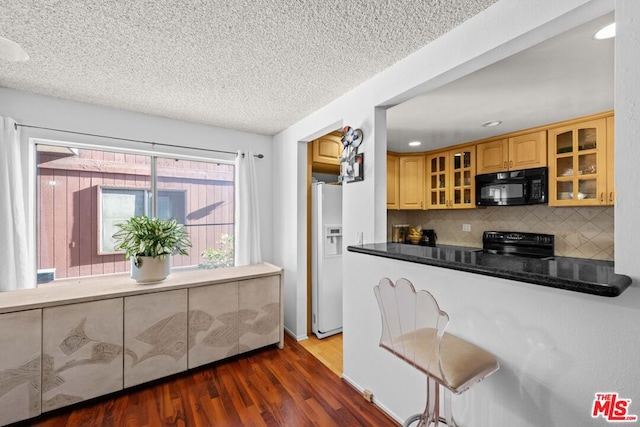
[(413, 328)]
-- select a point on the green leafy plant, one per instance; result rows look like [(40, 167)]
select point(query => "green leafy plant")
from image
[(223, 256), (152, 237)]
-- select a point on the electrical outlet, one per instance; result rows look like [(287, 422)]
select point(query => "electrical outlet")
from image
[(466, 227), (368, 395)]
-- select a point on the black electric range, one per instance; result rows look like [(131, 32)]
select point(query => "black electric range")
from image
[(513, 243)]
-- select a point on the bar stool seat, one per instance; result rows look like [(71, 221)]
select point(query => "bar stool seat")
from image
[(413, 329)]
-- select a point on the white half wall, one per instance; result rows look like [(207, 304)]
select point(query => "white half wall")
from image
[(556, 348)]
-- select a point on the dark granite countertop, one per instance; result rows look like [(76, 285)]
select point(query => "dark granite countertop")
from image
[(573, 274)]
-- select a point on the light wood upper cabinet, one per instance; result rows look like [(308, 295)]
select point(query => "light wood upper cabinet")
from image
[(326, 152), (393, 181), (411, 189), (579, 162), (578, 152), (528, 151), (518, 152), (451, 179), (438, 180), (493, 156)]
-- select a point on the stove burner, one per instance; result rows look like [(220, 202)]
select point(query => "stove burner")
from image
[(532, 245)]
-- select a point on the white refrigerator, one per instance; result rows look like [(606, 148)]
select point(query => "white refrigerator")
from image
[(326, 259)]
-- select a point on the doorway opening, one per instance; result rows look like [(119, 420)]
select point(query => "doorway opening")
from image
[(324, 251)]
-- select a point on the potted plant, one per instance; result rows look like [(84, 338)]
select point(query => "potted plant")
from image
[(149, 243)]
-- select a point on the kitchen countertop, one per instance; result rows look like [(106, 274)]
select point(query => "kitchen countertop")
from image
[(573, 274)]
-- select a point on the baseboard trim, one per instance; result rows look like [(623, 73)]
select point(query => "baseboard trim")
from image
[(292, 335), (380, 406)]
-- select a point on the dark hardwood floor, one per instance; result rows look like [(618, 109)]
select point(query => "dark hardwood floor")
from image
[(269, 387)]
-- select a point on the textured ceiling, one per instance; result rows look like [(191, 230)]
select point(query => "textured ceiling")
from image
[(257, 66)]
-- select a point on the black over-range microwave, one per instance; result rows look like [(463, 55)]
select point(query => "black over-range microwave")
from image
[(521, 187)]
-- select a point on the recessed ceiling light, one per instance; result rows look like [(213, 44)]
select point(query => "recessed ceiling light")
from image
[(606, 32), (415, 143), (491, 123)]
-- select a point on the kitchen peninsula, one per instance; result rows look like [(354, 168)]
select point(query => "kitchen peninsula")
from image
[(573, 274)]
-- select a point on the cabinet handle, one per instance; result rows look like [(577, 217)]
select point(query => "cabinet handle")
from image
[(611, 196), (505, 164), (602, 197), (510, 164)]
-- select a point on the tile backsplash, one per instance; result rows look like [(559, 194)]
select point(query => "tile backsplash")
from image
[(582, 232)]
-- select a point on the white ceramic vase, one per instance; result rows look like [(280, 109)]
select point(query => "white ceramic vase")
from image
[(150, 269)]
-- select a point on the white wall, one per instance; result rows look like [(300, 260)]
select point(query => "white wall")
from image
[(51, 112), (606, 363)]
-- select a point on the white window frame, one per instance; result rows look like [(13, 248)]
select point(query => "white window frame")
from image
[(104, 144)]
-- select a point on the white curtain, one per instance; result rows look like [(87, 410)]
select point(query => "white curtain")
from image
[(16, 269), (247, 227)]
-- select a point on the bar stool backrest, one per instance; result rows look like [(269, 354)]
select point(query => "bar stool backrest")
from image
[(412, 325)]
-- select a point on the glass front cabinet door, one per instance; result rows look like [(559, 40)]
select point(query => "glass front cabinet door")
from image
[(578, 164), (438, 181), (463, 178), (451, 179)]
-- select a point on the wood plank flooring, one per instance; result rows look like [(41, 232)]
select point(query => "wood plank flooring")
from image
[(327, 350), (269, 387)]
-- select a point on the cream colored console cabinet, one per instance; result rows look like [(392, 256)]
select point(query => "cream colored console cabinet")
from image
[(82, 338)]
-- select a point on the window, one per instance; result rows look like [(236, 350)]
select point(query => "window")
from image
[(83, 193), (119, 204)]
